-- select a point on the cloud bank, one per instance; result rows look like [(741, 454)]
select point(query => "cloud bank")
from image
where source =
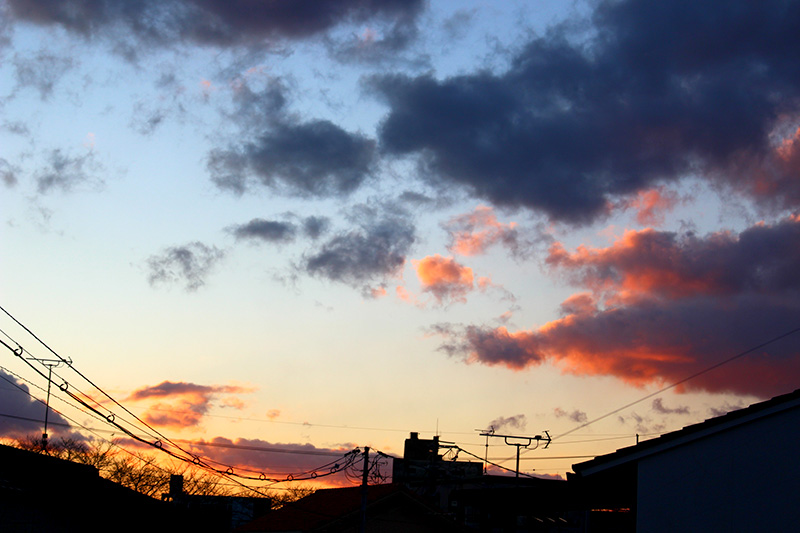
[(208, 22), (645, 95), (661, 307)]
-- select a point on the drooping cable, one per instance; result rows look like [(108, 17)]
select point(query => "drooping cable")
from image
[(682, 381), (179, 453)]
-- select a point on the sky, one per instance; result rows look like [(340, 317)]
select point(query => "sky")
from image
[(315, 226)]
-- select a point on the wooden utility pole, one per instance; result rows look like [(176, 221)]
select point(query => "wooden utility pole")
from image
[(364, 484)]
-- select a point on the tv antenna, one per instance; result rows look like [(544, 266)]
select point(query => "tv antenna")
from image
[(519, 441)]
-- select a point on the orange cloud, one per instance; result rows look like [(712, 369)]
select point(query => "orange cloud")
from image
[(660, 307), (651, 343), (473, 233), (654, 264), (444, 278), (181, 405)]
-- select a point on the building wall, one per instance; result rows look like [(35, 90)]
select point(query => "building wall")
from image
[(742, 479)]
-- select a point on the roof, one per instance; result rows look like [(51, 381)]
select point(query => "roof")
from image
[(318, 508), (690, 433), (39, 492)]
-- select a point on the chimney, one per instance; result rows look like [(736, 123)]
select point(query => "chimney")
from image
[(175, 486)]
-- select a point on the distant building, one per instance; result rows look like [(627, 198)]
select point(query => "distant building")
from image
[(390, 508), (421, 464), (217, 513), (736, 472), (479, 502)]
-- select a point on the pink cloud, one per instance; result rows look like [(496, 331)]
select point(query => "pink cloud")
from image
[(652, 205), (404, 295)]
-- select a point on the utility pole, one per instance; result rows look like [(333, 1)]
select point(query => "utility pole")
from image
[(487, 433), (364, 484), (50, 364)]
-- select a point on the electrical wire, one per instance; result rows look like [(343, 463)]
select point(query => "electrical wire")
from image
[(69, 363), (494, 464), (682, 381), (110, 418)]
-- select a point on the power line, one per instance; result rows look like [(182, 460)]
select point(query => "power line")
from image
[(184, 455), (682, 381), (271, 421)]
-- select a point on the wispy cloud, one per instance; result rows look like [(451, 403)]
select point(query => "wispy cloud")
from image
[(375, 249), (188, 264), (576, 415), (308, 159), (659, 407), (503, 423), (65, 171), (652, 206), (272, 231), (473, 233)]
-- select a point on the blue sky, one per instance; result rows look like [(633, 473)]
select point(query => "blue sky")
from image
[(330, 224)]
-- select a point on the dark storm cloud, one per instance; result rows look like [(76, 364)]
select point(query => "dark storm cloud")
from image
[(211, 22), (22, 414), (659, 90), (315, 158), (65, 171), (376, 248), (277, 150), (273, 231), (188, 264)]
